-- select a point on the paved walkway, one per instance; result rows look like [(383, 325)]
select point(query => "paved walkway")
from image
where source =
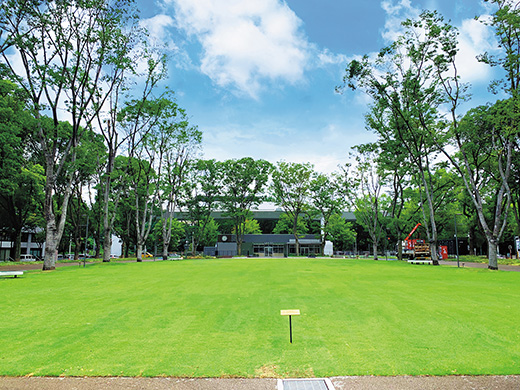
[(16, 267), (514, 268), (29, 266), (340, 383)]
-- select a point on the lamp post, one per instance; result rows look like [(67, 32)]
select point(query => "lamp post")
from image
[(86, 237), (86, 241), (456, 239)]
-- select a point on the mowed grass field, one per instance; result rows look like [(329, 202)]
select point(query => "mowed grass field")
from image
[(220, 318)]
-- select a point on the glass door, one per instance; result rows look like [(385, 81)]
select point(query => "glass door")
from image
[(268, 251)]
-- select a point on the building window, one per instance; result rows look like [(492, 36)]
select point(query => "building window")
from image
[(267, 249), (305, 249)]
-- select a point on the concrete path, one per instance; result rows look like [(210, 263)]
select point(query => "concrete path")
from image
[(514, 268), (340, 383), (16, 267), (29, 266)]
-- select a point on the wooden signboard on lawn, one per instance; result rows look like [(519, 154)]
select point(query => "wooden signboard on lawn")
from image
[(290, 313)]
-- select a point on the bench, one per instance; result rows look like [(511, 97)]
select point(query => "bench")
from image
[(11, 273), (429, 262)]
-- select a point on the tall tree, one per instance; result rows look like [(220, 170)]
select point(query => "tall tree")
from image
[(251, 226), (291, 190), (202, 191), (328, 198), (504, 130), (243, 183), (484, 138), (341, 233), (151, 133), (285, 225), (144, 184), (125, 124), (64, 48), (21, 178), (515, 187), (179, 143), (407, 80), (366, 182), (394, 161), (506, 23), (90, 153)]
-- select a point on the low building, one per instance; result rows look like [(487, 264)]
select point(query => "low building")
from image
[(267, 219), (29, 245), (267, 245)]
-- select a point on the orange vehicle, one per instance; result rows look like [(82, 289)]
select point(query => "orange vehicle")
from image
[(417, 248)]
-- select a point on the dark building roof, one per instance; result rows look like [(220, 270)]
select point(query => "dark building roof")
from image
[(271, 238), (260, 215)]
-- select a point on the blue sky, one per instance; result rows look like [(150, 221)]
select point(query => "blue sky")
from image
[(258, 76)]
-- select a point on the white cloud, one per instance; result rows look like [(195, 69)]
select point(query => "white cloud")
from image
[(325, 148), (326, 58), (397, 11), (246, 42), (157, 27), (160, 37), (475, 38)]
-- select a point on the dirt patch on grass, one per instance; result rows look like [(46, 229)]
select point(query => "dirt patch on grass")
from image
[(273, 371), (267, 371)]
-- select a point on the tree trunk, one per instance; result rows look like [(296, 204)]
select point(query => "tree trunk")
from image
[(434, 253), (124, 249), (53, 232), (107, 228), (374, 248), (471, 240), (77, 244), (18, 244), (323, 227), (433, 240), (51, 252), (165, 249), (166, 233), (107, 246), (239, 246), (399, 249), (432, 237), (139, 253), (54, 225), (492, 253), (51, 238), (98, 246), (296, 240)]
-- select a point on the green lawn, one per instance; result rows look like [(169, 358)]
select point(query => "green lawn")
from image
[(222, 318)]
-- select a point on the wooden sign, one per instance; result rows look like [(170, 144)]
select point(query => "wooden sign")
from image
[(289, 312)]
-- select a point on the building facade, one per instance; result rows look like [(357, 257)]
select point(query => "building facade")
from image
[(29, 245), (267, 245)]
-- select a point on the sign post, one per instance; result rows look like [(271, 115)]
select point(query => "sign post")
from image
[(290, 313)]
